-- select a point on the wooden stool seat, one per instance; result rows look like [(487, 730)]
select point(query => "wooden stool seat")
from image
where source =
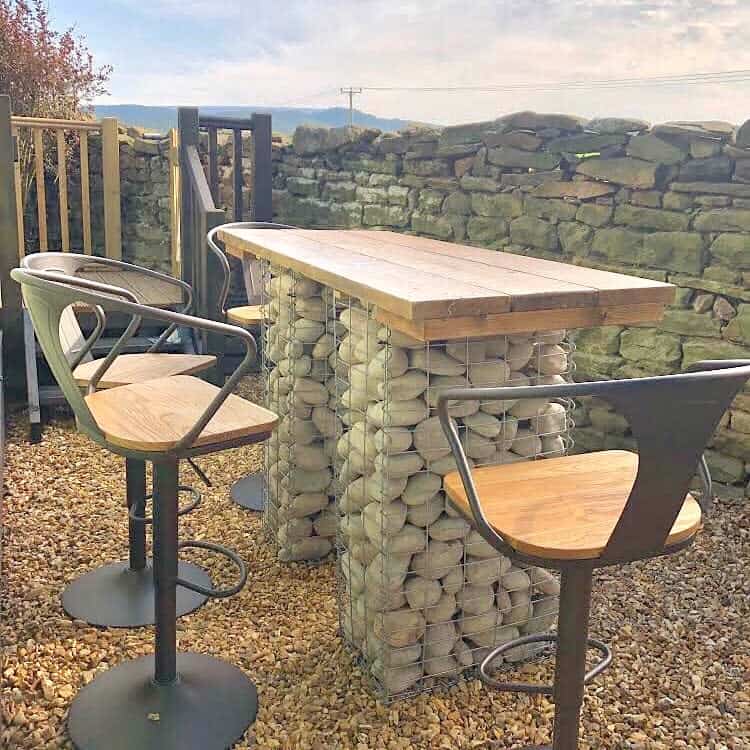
[(135, 368), (246, 316), (152, 416), (562, 508)]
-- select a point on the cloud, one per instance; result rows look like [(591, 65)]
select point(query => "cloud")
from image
[(303, 51)]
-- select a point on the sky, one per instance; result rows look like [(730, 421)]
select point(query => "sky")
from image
[(301, 52)]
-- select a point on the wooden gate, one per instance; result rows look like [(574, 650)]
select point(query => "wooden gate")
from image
[(199, 194)]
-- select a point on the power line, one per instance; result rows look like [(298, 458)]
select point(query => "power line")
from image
[(306, 98), (681, 79)]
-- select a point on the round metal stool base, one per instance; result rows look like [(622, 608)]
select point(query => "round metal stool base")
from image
[(209, 707), (115, 596), (249, 492)]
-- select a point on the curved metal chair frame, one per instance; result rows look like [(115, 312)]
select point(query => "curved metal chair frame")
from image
[(672, 419), (120, 594), (71, 263), (189, 701), (248, 492)]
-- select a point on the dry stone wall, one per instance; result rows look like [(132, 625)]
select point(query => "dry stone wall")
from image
[(669, 202)]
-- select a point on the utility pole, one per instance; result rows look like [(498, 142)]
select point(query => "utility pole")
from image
[(351, 92)]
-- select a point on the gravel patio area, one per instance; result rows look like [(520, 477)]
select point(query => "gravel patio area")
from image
[(680, 627)]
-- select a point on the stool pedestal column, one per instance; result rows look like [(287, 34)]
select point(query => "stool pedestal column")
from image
[(121, 594), (169, 701)]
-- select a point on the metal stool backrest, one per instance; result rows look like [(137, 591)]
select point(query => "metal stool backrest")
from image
[(672, 419), (46, 304), (46, 294), (77, 349), (222, 258)]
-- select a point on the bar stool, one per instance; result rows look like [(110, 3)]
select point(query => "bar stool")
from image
[(188, 701), (581, 512), (121, 594), (250, 491)]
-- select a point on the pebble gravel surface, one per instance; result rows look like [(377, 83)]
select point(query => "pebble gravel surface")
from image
[(680, 626)]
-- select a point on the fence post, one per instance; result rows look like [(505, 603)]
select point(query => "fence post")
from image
[(187, 135), (174, 203), (10, 292), (111, 177), (237, 175), (262, 209), (215, 344)]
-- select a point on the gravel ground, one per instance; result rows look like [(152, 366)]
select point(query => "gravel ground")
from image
[(680, 627)]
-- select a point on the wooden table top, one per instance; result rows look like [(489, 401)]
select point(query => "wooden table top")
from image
[(435, 290)]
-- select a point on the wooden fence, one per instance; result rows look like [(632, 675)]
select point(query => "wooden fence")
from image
[(36, 128)]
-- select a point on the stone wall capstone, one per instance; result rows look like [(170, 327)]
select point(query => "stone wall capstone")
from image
[(668, 202)]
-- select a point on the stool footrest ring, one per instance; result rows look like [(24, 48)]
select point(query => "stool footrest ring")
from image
[(222, 550), (523, 687), (196, 500)]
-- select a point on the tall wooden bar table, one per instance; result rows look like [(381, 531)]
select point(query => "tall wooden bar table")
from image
[(366, 328)]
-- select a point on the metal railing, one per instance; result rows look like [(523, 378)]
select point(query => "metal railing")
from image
[(198, 195)]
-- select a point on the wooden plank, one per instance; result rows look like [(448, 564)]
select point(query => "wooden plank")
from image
[(157, 414), (136, 368), (562, 508), (85, 192), (62, 190), (527, 291), (111, 178), (19, 200), (522, 322), (55, 124), (614, 288), (213, 164), (388, 284), (188, 135), (237, 174), (41, 191), (174, 202)]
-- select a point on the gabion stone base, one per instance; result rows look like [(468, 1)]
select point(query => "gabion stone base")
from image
[(299, 339), (422, 596)]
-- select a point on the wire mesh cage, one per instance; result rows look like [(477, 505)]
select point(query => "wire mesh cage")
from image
[(422, 597), (298, 339)]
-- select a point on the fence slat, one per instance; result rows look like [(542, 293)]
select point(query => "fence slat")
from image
[(174, 201), (19, 197), (85, 192), (41, 191), (62, 188), (111, 178), (213, 164), (237, 171)]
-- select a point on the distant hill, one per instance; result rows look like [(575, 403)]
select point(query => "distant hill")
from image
[(285, 119)]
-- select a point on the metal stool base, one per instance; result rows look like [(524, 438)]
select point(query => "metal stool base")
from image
[(208, 707), (115, 596), (249, 492)]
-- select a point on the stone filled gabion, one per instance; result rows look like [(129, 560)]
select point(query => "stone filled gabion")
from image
[(298, 339), (421, 595)]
